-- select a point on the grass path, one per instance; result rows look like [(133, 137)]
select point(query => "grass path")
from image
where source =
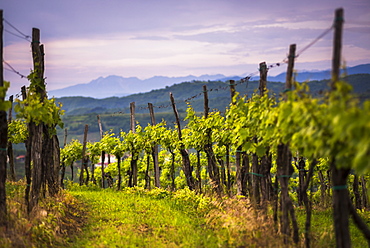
[(158, 218), (134, 217), (122, 219)]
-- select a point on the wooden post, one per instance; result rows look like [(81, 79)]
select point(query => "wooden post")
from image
[(3, 138), (228, 170), (24, 92), (184, 153), (134, 156), (132, 116), (63, 165), (210, 168), (12, 176), (341, 198), (213, 170), (36, 131), (337, 46), (176, 115), (65, 137), (157, 182), (285, 169), (289, 74), (256, 166), (238, 154), (206, 107), (27, 161), (241, 173), (232, 90), (263, 78), (100, 127), (102, 154), (10, 109), (303, 185), (84, 160), (38, 62), (151, 112)]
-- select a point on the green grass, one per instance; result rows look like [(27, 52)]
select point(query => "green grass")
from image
[(135, 218), (158, 218), (322, 228)]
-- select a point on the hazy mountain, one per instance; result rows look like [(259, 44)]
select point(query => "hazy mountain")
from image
[(303, 76), (110, 86), (320, 75), (118, 86)]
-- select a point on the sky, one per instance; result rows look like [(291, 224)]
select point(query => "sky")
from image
[(87, 39)]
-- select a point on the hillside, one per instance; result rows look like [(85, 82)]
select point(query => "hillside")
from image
[(115, 113), (217, 90), (118, 86)]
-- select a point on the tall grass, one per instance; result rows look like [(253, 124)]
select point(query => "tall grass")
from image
[(51, 224)]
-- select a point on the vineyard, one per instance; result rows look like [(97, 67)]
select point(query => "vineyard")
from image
[(286, 156)]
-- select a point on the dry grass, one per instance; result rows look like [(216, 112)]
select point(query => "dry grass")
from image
[(243, 225), (53, 223)]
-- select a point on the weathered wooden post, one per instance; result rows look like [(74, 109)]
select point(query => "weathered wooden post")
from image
[(10, 145), (134, 158), (184, 153), (63, 165), (263, 78), (232, 90), (256, 166), (102, 154), (285, 168), (36, 130), (289, 73), (339, 175), (84, 159), (337, 46), (3, 138), (154, 150), (241, 158), (27, 161), (213, 170)]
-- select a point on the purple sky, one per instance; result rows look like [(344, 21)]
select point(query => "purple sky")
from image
[(86, 39)]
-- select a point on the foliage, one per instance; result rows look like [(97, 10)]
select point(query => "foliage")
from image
[(334, 127), (4, 105), (71, 152), (94, 151), (36, 107), (33, 110), (17, 131)]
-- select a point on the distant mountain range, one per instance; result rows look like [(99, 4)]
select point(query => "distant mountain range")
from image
[(320, 75), (103, 87), (118, 86)]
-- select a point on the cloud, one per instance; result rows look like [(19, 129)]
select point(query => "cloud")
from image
[(149, 38), (88, 39)]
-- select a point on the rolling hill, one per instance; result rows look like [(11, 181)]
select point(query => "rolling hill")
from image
[(115, 113)]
